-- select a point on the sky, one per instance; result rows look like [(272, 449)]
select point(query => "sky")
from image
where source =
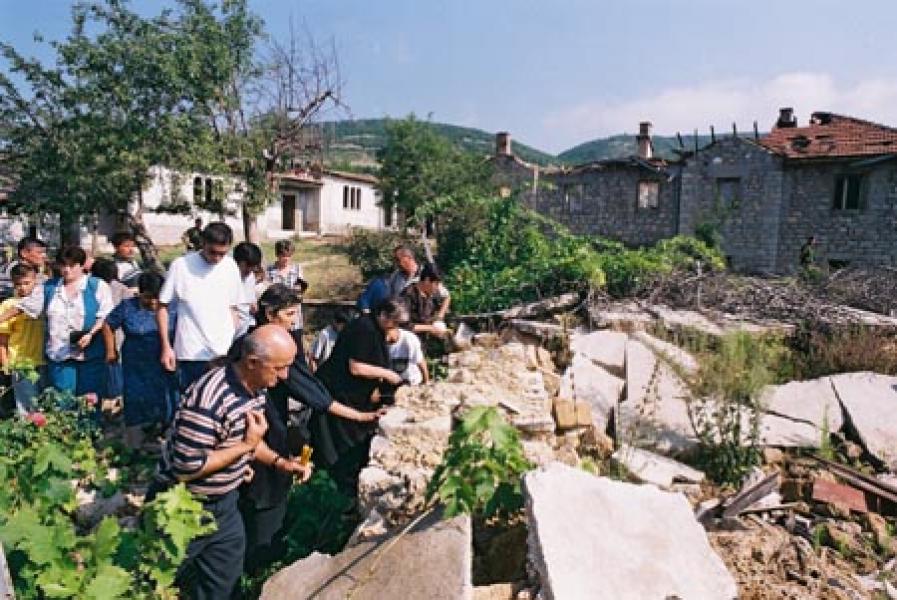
[(556, 73)]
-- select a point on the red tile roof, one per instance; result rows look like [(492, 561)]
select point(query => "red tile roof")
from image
[(832, 136)]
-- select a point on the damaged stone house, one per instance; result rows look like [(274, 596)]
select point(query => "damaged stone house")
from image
[(835, 179)]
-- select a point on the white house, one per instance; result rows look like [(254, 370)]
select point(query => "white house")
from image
[(320, 202), (324, 203)]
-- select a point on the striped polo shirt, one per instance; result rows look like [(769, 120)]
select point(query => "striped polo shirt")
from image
[(212, 416)]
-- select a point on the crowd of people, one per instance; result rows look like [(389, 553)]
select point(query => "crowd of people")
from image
[(210, 356)]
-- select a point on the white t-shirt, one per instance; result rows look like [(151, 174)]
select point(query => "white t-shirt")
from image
[(247, 300), (205, 294), (404, 356)]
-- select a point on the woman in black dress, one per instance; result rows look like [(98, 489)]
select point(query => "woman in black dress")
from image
[(288, 406), (357, 374)]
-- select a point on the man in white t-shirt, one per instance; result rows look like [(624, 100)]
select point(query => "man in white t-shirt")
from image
[(208, 289), (406, 356)]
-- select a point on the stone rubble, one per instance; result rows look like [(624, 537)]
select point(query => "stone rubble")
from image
[(592, 537)]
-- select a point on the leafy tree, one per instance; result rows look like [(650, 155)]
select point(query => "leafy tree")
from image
[(421, 171)]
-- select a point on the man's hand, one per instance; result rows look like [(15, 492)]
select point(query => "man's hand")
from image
[(168, 360), (301, 472), (256, 426)]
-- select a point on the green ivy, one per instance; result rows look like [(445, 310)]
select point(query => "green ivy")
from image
[(481, 470)]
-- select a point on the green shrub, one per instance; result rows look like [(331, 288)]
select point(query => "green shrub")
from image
[(372, 251), (48, 556), (725, 405), (498, 253), (481, 469)]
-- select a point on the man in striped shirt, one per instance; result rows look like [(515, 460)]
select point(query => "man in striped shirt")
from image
[(215, 435)]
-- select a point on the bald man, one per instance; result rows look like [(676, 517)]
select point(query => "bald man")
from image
[(215, 433)]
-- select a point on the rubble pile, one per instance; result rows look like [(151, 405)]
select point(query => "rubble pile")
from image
[(613, 509), (867, 288)]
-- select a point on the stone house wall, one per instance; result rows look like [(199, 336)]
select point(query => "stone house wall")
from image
[(736, 186), (864, 236), (603, 200)]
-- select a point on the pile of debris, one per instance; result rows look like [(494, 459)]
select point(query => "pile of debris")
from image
[(612, 511)]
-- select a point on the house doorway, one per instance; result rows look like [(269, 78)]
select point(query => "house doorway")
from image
[(288, 212)]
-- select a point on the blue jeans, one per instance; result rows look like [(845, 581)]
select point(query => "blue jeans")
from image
[(26, 391), (78, 376)]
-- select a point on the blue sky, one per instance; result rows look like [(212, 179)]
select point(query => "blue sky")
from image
[(559, 72)]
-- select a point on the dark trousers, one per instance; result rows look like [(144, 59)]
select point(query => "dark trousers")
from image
[(347, 468), (189, 371), (217, 558), (263, 533)]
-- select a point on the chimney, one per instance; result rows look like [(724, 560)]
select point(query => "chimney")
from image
[(503, 144), (645, 145), (786, 118)]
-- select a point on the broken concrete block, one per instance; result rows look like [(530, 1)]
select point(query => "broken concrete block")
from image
[(591, 537), (463, 338), (587, 381), (682, 359), (870, 401), (604, 348), (564, 413), (654, 413), (433, 560), (653, 468), (583, 412), (796, 414)]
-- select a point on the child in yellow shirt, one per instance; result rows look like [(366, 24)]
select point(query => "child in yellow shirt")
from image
[(22, 341)]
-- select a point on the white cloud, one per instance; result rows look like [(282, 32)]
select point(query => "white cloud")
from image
[(719, 103)]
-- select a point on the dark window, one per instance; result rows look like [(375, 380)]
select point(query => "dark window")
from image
[(728, 191), (648, 194), (197, 190), (573, 196), (848, 192), (836, 263), (209, 191), (345, 196)]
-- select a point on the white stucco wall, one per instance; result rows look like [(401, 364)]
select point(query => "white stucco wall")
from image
[(337, 220)]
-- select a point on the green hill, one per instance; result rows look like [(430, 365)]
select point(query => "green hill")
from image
[(356, 142), (618, 146)]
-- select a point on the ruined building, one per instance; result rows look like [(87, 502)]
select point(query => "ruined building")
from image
[(835, 179)]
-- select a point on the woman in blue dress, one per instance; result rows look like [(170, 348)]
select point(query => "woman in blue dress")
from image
[(150, 392)]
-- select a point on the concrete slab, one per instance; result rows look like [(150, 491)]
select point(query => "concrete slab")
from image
[(798, 412), (649, 467), (870, 402), (604, 348), (591, 537), (654, 413), (682, 359), (587, 381), (433, 560)]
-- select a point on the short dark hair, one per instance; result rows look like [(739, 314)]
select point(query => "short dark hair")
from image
[(430, 272), (104, 269), (121, 237), (282, 247), (404, 249), (249, 253), (150, 282), (218, 233), (28, 241), (392, 309), (72, 254), (20, 270), (276, 298), (341, 316)]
